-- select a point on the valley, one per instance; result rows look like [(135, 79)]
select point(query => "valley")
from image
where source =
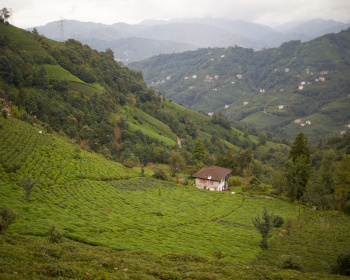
[(96, 166)]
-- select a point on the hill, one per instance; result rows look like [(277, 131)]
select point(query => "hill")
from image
[(249, 86), (79, 136), (134, 222)]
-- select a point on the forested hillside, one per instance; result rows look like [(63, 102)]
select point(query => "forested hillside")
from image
[(268, 89)]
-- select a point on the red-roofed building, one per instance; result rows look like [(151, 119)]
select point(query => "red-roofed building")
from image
[(213, 178)]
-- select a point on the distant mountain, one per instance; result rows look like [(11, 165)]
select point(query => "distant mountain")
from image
[(309, 80), (314, 28), (177, 35), (128, 50)]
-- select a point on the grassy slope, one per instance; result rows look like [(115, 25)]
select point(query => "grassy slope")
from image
[(102, 203), (73, 260)]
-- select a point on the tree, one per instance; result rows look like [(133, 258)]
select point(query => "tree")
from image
[(298, 168), (7, 217), (264, 226), (343, 182), (278, 182), (176, 162), (199, 150), (300, 148), (297, 175), (4, 15), (27, 183)]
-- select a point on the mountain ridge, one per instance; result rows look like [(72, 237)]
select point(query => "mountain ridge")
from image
[(206, 32)]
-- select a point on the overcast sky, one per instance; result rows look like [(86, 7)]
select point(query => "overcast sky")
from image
[(31, 13)]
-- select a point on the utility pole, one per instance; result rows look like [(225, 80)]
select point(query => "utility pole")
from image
[(61, 25)]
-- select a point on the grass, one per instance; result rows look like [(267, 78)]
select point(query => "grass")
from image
[(59, 73), (101, 203), (316, 239), (73, 260), (262, 119)]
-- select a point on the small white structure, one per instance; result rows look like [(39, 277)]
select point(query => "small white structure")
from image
[(281, 107), (245, 103)]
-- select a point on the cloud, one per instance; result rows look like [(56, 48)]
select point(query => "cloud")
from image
[(30, 13)]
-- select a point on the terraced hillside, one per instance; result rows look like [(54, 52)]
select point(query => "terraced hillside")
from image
[(99, 202), (268, 89)]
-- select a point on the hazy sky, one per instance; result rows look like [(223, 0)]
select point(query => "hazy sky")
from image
[(31, 13)]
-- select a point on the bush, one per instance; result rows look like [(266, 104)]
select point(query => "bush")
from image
[(342, 265), (54, 234), (278, 221), (160, 173), (291, 261)]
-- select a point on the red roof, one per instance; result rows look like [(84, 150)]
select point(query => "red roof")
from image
[(215, 172)]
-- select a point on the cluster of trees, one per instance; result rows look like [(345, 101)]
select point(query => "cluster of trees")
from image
[(323, 182)]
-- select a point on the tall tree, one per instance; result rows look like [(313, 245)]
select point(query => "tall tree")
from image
[(199, 150), (298, 168), (300, 148)]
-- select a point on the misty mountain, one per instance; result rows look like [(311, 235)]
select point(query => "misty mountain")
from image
[(313, 28), (128, 50), (133, 42)]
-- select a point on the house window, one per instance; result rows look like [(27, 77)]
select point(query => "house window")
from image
[(201, 181)]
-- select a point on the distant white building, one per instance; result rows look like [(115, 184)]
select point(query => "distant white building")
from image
[(281, 107), (245, 103)]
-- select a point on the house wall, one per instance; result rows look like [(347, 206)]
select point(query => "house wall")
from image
[(210, 184)]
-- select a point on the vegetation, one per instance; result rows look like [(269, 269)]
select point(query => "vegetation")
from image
[(264, 226), (82, 143), (248, 86)]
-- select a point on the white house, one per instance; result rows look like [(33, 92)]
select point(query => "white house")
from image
[(281, 107), (212, 178)]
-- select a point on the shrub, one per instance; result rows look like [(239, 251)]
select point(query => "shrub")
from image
[(342, 265), (54, 234), (27, 183), (346, 208), (278, 221), (160, 173), (7, 217), (291, 261), (289, 225)]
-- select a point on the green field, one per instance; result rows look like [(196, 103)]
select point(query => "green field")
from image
[(101, 203)]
